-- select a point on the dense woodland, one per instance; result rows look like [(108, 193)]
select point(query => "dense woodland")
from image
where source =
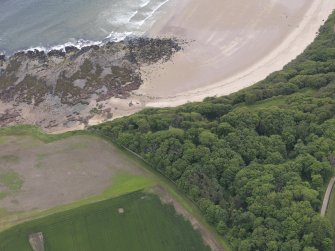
[(256, 162)]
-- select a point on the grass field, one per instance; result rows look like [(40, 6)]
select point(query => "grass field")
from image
[(146, 224), (39, 176), (130, 175)]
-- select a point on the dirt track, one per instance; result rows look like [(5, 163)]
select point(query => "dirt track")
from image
[(206, 234), (326, 198)]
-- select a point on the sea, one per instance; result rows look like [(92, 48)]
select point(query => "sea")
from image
[(54, 24)]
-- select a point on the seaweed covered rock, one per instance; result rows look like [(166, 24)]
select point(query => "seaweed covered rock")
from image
[(69, 80)]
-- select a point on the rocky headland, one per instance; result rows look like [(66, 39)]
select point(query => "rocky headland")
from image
[(68, 88)]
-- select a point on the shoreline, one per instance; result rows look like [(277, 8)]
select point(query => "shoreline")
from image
[(217, 58), (293, 43), (60, 91), (113, 36)]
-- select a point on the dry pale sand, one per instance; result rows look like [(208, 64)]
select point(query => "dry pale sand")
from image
[(236, 43), (233, 44)]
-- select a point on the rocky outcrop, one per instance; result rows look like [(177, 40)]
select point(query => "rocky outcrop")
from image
[(73, 78)]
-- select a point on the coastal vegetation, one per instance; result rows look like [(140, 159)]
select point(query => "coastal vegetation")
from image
[(243, 172), (256, 162)]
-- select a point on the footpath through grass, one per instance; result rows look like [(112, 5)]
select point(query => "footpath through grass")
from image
[(145, 224)]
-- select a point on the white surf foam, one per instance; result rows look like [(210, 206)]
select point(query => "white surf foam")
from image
[(61, 47), (152, 12), (133, 23)]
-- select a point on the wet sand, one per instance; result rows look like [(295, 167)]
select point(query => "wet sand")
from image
[(233, 44)]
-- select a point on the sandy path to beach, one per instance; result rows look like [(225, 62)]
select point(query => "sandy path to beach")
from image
[(236, 43)]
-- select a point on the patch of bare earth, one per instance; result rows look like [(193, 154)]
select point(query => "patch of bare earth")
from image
[(36, 241), (61, 172)]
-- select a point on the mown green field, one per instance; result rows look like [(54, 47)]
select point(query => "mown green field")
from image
[(146, 224)]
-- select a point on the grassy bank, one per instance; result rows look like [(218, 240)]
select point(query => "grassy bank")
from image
[(37, 133)]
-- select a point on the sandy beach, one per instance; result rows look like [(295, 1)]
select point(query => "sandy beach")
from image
[(232, 45)]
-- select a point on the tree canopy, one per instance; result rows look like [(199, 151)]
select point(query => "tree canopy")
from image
[(255, 162)]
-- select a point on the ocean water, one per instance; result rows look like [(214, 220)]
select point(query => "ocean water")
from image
[(51, 24)]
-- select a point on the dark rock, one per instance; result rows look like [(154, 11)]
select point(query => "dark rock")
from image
[(85, 49), (36, 54), (19, 54), (56, 53), (30, 54), (110, 44), (95, 47), (8, 117), (80, 52), (2, 57), (70, 49)]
